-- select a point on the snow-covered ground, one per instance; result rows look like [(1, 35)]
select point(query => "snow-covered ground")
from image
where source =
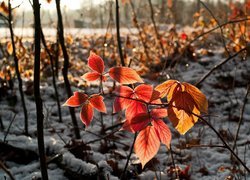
[(225, 90)]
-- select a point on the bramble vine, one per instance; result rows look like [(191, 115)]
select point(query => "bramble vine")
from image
[(144, 109)]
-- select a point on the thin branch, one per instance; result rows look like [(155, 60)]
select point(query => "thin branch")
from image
[(8, 130), (6, 170), (223, 141), (204, 146), (173, 163), (218, 66), (123, 176), (221, 30), (118, 33), (241, 115)]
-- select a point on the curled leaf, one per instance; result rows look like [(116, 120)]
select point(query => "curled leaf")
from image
[(97, 102), (86, 114)]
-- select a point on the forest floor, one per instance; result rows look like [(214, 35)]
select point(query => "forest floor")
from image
[(95, 157)]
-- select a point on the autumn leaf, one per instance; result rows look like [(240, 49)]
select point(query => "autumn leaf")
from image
[(9, 48), (124, 75), (97, 102), (4, 9), (198, 97), (147, 144), (86, 114), (87, 103), (163, 132), (76, 100), (181, 112), (167, 88), (96, 64)]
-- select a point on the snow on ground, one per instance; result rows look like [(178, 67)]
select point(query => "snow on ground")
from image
[(107, 157)]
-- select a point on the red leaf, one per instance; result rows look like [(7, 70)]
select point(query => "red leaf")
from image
[(134, 108), (147, 144), (122, 103), (144, 92), (86, 114), (163, 132), (137, 123), (96, 63), (124, 75), (158, 113), (97, 102), (76, 100), (91, 76)]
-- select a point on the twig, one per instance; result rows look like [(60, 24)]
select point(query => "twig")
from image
[(53, 74), (123, 176), (155, 27), (241, 115), (20, 82), (118, 33), (204, 146), (223, 141), (6, 170), (221, 30), (65, 67), (173, 163), (8, 130), (218, 66)]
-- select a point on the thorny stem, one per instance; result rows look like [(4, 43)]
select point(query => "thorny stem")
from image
[(123, 176), (118, 33), (218, 66), (241, 115)]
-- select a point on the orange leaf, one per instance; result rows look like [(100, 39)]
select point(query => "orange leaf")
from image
[(121, 104), (199, 98), (146, 93), (91, 76), (180, 111), (97, 102), (9, 48), (96, 63), (162, 131), (86, 114), (77, 99), (4, 8), (124, 75), (147, 144), (167, 88)]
